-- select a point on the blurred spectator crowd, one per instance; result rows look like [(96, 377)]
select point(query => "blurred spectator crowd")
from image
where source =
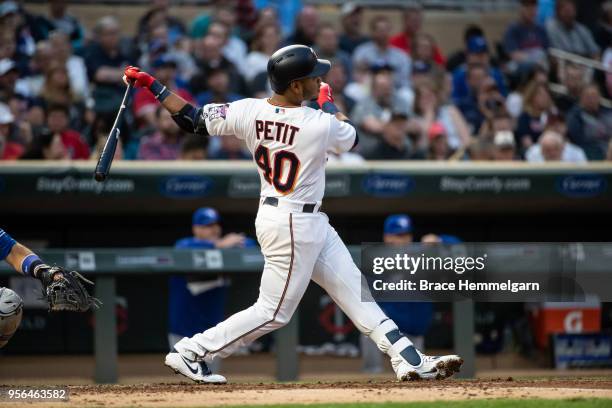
[(61, 86)]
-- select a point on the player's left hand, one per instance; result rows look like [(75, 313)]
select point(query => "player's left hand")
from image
[(136, 77), (325, 94), (65, 290)]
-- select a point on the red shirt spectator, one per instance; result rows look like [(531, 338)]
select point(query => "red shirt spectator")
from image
[(413, 21), (76, 147), (11, 151), (404, 43), (57, 122)]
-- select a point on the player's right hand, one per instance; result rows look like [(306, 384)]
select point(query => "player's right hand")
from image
[(231, 240), (136, 77), (325, 94)]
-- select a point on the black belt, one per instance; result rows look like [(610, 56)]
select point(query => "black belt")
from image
[(273, 201)]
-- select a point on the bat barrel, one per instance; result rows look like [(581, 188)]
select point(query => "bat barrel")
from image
[(108, 153)]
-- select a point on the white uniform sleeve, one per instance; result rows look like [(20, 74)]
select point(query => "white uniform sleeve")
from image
[(341, 136), (224, 119)]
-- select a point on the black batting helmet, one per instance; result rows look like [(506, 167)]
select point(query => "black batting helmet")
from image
[(294, 62)]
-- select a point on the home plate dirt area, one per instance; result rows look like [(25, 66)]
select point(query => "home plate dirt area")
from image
[(192, 395)]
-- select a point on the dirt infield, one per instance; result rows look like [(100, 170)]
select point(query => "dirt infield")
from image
[(190, 395), (146, 382)]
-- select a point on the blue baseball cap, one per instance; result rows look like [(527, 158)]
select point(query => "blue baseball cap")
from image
[(477, 45), (398, 224), (449, 239), (205, 216)]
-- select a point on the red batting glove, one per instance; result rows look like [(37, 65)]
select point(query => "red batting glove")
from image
[(137, 77), (325, 94)]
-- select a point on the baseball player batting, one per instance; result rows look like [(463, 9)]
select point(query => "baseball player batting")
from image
[(289, 143), (63, 290)]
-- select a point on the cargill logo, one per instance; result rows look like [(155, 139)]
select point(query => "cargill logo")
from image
[(186, 186), (582, 185), (388, 185)]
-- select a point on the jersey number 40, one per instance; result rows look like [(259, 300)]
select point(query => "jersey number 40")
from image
[(282, 171)]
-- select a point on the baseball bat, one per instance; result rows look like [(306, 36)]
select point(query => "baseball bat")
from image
[(108, 153)]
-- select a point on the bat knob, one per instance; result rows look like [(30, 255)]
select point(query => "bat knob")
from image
[(100, 177)]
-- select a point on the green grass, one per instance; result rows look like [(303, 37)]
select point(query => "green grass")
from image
[(490, 403)]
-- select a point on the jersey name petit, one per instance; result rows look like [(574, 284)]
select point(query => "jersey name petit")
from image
[(289, 144), (275, 131)]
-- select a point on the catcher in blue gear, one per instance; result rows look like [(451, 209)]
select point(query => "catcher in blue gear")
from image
[(62, 290)]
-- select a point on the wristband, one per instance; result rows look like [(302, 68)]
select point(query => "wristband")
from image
[(29, 264), (159, 91), (329, 107)]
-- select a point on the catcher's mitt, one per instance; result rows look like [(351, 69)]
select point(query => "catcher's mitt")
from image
[(67, 291)]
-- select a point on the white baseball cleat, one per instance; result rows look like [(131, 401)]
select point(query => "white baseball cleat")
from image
[(430, 367), (194, 370)]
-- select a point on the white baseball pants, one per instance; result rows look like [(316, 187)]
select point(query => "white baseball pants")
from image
[(298, 247)]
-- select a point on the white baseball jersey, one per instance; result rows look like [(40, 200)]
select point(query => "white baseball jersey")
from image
[(289, 145)]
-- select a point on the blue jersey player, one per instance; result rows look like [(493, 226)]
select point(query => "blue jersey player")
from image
[(197, 303)]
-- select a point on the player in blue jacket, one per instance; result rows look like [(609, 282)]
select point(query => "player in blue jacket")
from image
[(197, 303), (412, 318)]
